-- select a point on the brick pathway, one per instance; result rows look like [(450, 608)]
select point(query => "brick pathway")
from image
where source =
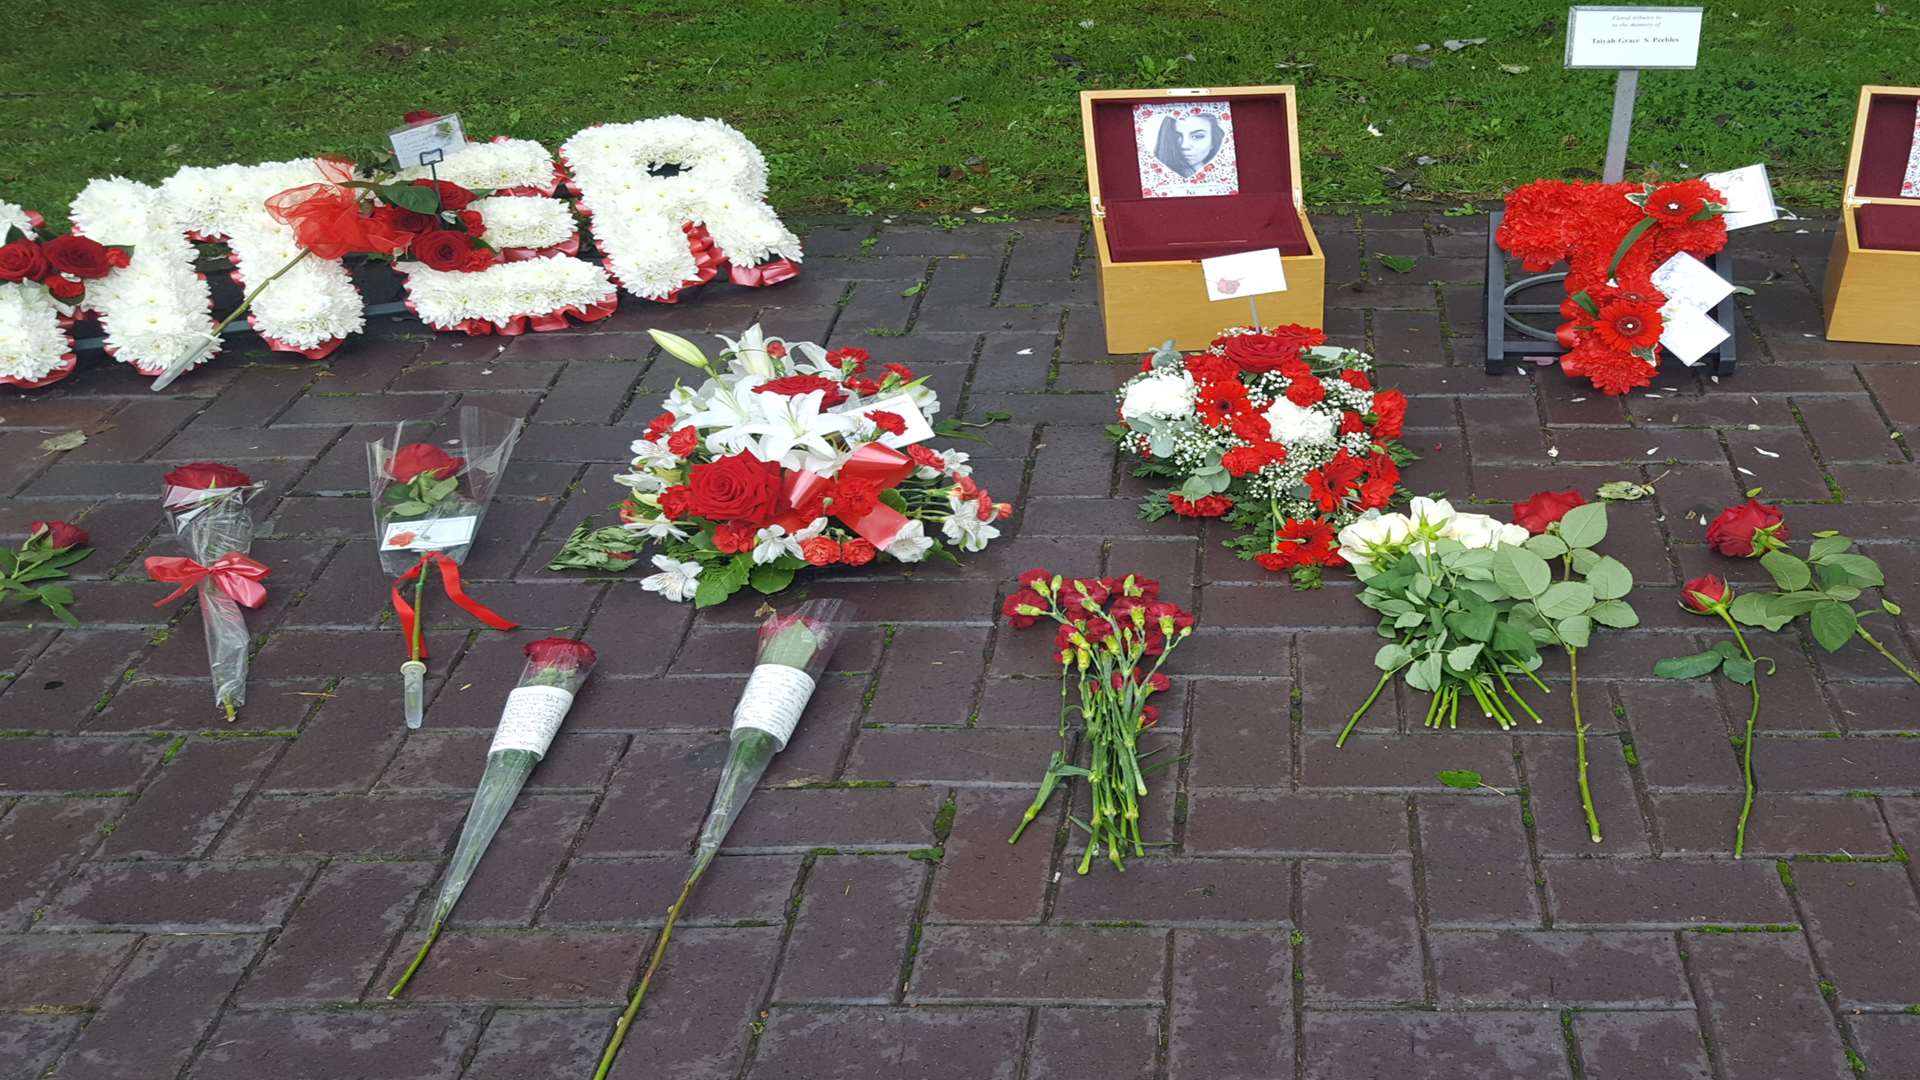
[(182, 900)]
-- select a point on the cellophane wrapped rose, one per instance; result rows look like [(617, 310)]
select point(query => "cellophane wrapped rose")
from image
[(206, 507), (789, 456), (1283, 436)]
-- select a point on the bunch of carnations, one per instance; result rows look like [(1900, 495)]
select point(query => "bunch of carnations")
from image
[(32, 571), (206, 506), (1612, 238), (427, 507), (1822, 586), (62, 265), (788, 456), (1467, 604), (1284, 437), (1114, 635)]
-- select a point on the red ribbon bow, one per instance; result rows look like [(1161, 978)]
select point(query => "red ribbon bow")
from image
[(450, 581), (881, 465), (235, 574)]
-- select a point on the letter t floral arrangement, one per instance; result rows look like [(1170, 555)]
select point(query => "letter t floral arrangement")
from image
[(1114, 635), (789, 456)]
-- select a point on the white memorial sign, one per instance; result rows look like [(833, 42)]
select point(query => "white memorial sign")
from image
[(1633, 37)]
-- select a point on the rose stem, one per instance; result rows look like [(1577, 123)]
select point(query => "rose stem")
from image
[(1882, 650), (1544, 688), (419, 614), (1433, 708), (1362, 711), (407, 975), (1500, 671), (214, 336), (1746, 748), (653, 965), (1580, 746)]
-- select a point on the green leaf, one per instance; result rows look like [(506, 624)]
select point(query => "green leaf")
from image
[(1834, 624), (1760, 609), (1585, 525), (1392, 657), (417, 198), (1739, 669), (1615, 613), (1475, 623), (1546, 545), (770, 578), (1854, 570), (1196, 487), (1564, 599), (914, 289), (1462, 658), (66, 440), (1584, 560), (1623, 490), (1521, 573), (1424, 673), (1406, 620), (1828, 545), (60, 612), (1462, 779), (893, 498), (410, 508), (1610, 579), (1889, 606), (1399, 264), (1687, 667), (1576, 631), (713, 590), (1788, 572), (56, 594)]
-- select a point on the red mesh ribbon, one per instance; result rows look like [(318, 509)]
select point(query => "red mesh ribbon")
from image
[(326, 217), (237, 575), (882, 466), (569, 246), (450, 581)]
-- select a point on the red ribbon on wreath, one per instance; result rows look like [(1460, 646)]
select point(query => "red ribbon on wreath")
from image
[(235, 574), (881, 466), (450, 581)]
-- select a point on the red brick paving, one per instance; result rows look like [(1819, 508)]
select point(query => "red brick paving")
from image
[(182, 900)]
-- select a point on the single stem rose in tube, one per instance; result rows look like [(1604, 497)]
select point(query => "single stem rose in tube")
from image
[(793, 650)]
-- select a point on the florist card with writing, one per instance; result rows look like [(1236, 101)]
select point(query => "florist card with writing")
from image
[(1186, 148), (428, 141), (1244, 274), (1689, 334), (1687, 282), (902, 406), (1633, 37), (434, 535), (1749, 195)]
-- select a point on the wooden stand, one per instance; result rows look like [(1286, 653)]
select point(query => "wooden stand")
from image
[(1871, 294)]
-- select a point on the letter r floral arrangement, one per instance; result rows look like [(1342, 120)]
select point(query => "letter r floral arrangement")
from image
[(1284, 437), (787, 456)]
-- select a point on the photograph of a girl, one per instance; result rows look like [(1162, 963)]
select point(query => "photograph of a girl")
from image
[(1186, 149)]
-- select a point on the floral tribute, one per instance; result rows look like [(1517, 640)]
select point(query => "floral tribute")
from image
[(1468, 604), (1821, 586), (1114, 634), (43, 289), (1284, 437), (790, 456), (1612, 238)]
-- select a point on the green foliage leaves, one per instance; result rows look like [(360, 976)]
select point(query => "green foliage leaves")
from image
[(1584, 526), (1521, 573), (1461, 779), (1688, 667), (1834, 624)]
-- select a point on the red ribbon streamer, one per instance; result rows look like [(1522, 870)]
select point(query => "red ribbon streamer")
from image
[(881, 465), (235, 574), (767, 273), (450, 581)]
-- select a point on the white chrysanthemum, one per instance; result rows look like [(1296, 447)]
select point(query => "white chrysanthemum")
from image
[(504, 291), (1292, 425), (489, 166), (520, 221), (32, 344), (1162, 395), (156, 309), (14, 216)]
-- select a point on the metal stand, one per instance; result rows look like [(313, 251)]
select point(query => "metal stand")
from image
[(1508, 335)]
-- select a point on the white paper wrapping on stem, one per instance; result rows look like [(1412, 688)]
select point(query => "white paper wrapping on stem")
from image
[(773, 700), (531, 718)]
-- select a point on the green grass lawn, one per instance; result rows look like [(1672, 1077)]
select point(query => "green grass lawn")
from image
[(936, 106)]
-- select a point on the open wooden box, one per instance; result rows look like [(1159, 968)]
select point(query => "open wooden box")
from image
[(1151, 287), (1873, 277)]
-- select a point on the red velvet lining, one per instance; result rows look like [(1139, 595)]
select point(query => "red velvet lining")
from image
[(1885, 145), (1262, 215), (1889, 228)]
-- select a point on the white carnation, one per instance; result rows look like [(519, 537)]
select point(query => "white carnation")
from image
[(1292, 425), (1163, 396)]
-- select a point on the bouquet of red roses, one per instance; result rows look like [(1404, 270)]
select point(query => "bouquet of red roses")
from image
[(206, 504), (1285, 437), (1612, 237)]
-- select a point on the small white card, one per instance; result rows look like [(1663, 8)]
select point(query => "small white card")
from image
[(1687, 282), (1633, 37), (1689, 334), (436, 535), (427, 142), (902, 406), (1244, 274), (1749, 195)]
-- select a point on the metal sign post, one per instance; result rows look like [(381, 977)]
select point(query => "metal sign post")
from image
[(1625, 89)]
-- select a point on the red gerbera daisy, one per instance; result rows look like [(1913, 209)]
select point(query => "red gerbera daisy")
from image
[(1219, 403), (1312, 541), (1672, 204), (1626, 326)]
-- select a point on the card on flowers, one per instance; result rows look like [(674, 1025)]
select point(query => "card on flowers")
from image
[(1689, 333), (1687, 282), (902, 406), (428, 141), (435, 535), (1244, 274), (1186, 148), (1749, 195)]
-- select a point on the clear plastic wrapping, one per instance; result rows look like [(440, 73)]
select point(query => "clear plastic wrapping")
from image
[(428, 494), (212, 523)]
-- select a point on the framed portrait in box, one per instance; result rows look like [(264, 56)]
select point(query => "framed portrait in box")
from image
[(1874, 272), (1185, 149)]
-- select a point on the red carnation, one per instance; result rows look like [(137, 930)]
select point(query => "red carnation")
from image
[(202, 475), (65, 288), (1545, 508), (473, 223), (1747, 531), (676, 502), (443, 249), (1207, 506), (795, 385), (452, 195), (415, 458), (83, 258), (659, 425), (1356, 379), (683, 442), (1307, 392), (903, 371), (730, 539), (891, 423), (849, 359), (60, 535), (1390, 413), (820, 550), (853, 497), (1351, 423), (1377, 492), (1242, 460), (1703, 593), (857, 552), (739, 488), (926, 458), (22, 261)]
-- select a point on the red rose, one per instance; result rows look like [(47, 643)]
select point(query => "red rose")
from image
[(891, 423), (83, 258), (1390, 413), (739, 488), (471, 221), (60, 535), (562, 654), (415, 458), (1307, 392), (1745, 532), (857, 552), (400, 219), (22, 261), (795, 385), (1545, 508), (1268, 350), (442, 249), (820, 550), (683, 442), (1242, 460), (452, 195), (849, 359), (65, 288), (676, 502), (206, 474), (731, 539), (1702, 592)]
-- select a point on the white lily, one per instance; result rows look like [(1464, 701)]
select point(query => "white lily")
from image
[(774, 541), (750, 352), (794, 431), (966, 528), (677, 581), (657, 529), (645, 483), (648, 454), (910, 544)]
